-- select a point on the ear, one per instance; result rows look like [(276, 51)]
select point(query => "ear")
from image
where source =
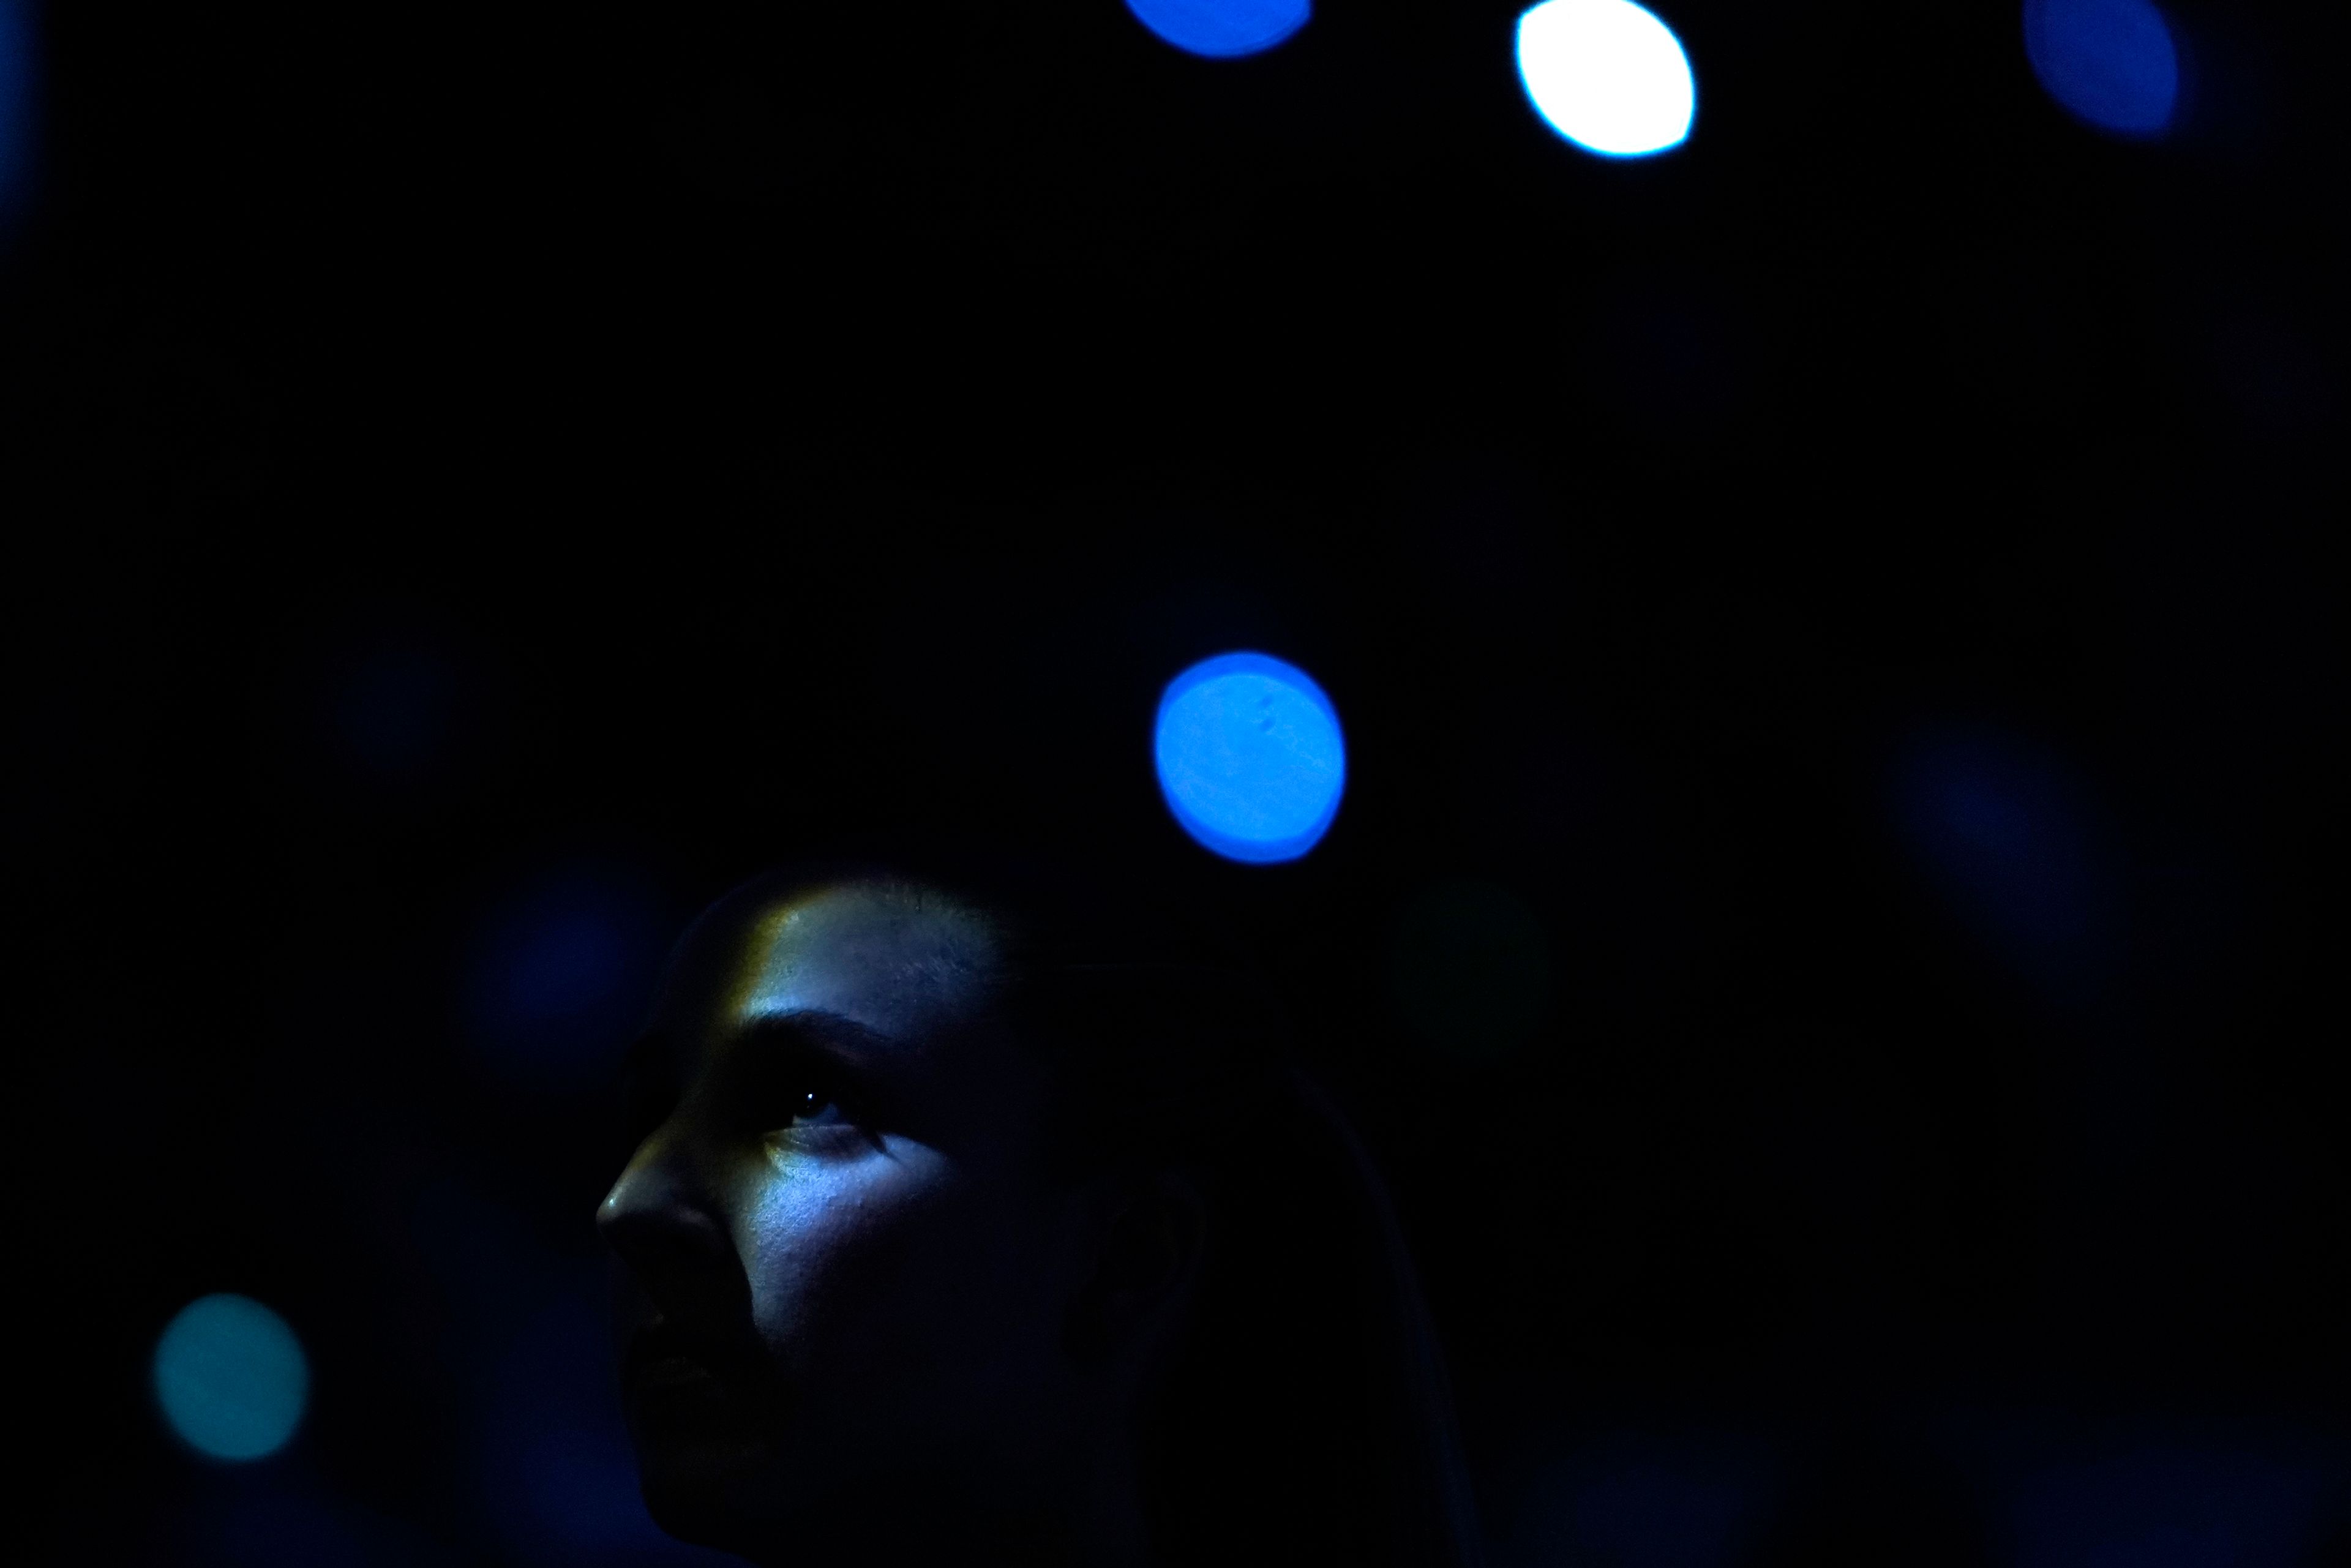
[(1154, 1233)]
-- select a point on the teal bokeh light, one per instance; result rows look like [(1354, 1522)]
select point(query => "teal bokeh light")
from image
[(1250, 756), (1470, 964), (231, 1378)]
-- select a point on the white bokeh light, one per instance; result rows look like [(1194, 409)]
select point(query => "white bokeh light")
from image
[(1607, 75)]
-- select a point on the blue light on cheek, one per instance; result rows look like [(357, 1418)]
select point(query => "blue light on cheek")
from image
[(2112, 63), (1222, 29), (231, 1378), (1250, 758)]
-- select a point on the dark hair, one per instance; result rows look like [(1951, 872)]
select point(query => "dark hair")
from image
[(1306, 1419)]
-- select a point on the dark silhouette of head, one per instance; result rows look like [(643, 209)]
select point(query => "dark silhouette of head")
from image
[(977, 1218)]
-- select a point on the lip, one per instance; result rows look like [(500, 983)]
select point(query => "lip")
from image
[(663, 1351), (670, 1373), (663, 1372)]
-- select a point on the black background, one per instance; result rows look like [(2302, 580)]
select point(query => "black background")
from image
[(464, 463)]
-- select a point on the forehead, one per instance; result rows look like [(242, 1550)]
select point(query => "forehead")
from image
[(896, 961)]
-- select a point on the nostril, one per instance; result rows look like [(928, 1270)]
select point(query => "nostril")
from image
[(678, 1255), (655, 1225)]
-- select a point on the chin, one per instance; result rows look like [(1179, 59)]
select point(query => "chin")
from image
[(714, 1493)]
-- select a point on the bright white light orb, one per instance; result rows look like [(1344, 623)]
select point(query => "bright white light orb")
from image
[(1607, 75)]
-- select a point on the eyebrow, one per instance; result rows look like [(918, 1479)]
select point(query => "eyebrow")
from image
[(836, 1035)]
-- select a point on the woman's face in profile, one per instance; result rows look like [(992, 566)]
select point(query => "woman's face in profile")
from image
[(846, 1276)]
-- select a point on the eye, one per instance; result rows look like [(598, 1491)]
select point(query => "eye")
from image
[(803, 1105), (789, 1090), (814, 1104)]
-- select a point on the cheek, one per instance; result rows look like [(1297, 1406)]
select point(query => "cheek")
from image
[(890, 1275)]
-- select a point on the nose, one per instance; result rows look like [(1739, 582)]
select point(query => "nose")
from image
[(662, 1221)]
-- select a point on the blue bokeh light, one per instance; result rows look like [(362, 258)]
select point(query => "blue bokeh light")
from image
[(1607, 75), (278, 1517), (231, 1378), (2006, 835), (2112, 63), (2164, 1504), (1250, 756), (15, 100), (1222, 29), (560, 973), (1659, 1499)]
